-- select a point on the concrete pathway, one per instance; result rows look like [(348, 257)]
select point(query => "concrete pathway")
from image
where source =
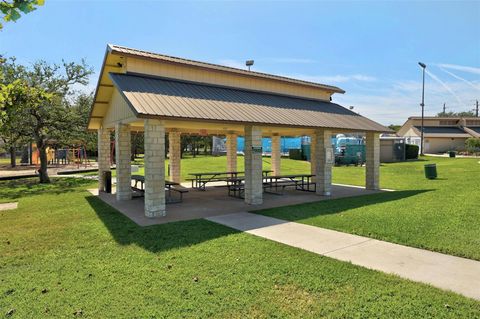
[(443, 271), (8, 206)]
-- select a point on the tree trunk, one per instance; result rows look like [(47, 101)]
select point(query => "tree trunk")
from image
[(42, 172), (13, 157)]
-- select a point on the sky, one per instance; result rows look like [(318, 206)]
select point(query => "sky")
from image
[(371, 49)]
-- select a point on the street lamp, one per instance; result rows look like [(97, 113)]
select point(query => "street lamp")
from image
[(423, 66)]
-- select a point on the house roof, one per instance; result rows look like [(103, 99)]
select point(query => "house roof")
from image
[(441, 129), (475, 128), (168, 98), (166, 58)]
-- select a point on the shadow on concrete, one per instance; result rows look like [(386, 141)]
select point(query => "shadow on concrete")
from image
[(335, 206), (156, 238)]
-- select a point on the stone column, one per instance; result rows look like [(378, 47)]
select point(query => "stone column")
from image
[(123, 149), (324, 160), (313, 156), (276, 154), (103, 156), (154, 168), (231, 146), (174, 154), (253, 165), (372, 161)]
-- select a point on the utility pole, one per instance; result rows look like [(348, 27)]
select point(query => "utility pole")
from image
[(444, 109), (476, 109), (422, 105)]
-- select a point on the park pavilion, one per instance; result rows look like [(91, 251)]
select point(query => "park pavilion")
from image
[(161, 95)]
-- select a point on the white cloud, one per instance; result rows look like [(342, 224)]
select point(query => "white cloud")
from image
[(290, 60), (399, 100), (468, 69), (459, 78), (327, 79)]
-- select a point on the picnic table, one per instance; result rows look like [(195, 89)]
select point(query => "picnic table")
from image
[(169, 187), (200, 180), (273, 184), (301, 182)]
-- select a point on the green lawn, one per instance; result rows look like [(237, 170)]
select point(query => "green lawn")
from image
[(64, 253), (203, 163), (441, 215)]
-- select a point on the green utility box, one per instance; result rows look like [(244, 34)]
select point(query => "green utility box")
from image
[(306, 152), (352, 154)]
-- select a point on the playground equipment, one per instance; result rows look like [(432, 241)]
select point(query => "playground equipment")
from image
[(74, 154)]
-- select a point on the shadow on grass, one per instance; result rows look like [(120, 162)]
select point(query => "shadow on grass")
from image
[(156, 238), (335, 206), (14, 189)]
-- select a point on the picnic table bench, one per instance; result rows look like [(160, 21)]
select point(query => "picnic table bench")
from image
[(200, 180), (169, 187)]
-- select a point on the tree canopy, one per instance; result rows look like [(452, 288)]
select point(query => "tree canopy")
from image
[(11, 9), (39, 103), (456, 114)]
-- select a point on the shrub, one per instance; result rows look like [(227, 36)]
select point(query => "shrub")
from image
[(295, 153), (411, 151), (473, 145)]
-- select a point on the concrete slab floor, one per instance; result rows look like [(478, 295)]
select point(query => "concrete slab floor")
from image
[(8, 206), (447, 272), (215, 201)]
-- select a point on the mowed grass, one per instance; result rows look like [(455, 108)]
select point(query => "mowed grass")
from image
[(441, 215), (65, 253), (204, 163)]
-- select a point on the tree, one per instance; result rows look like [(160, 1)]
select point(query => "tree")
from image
[(17, 99), (12, 132), (456, 114), (41, 99), (394, 127), (11, 9)]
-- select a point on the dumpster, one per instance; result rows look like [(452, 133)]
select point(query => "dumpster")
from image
[(107, 178), (431, 171)]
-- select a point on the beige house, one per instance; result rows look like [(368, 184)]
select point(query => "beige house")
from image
[(441, 134), (162, 95)]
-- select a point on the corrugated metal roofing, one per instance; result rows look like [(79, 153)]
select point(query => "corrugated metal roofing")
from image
[(441, 130), (168, 98), (157, 56)]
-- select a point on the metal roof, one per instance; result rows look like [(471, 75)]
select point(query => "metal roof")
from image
[(156, 56), (167, 98), (441, 130)]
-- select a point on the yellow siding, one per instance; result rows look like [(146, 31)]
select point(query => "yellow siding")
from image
[(189, 73), (118, 111)]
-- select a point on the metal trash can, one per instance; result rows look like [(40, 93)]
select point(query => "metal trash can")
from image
[(107, 180), (452, 153), (431, 171)]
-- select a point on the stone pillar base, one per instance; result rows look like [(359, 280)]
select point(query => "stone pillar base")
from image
[(372, 165), (123, 151), (253, 165)]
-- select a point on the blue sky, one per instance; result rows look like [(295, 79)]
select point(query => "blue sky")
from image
[(370, 49)]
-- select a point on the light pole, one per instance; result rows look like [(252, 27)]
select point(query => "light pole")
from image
[(423, 65)]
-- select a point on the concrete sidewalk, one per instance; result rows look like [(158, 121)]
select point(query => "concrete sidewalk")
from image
[(443, 271)]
